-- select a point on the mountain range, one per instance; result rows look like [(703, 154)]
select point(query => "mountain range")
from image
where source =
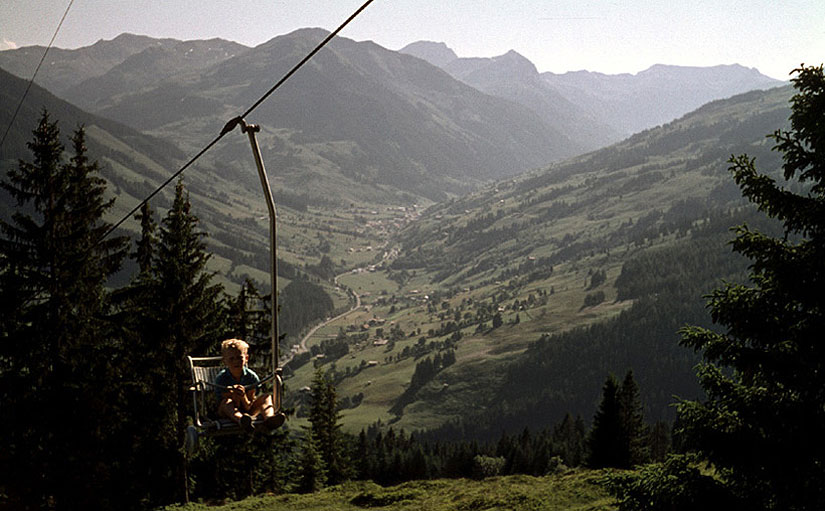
[(597, 108), (360, 114), (366, 114)]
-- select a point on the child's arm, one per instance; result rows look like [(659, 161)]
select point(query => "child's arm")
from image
[(242, 398)]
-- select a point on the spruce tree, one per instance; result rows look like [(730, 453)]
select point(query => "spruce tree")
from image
[(568, 438), (605, 445), (634, 430), (762, 423), (56, 338), (145, 250), (181, 312), (312, 475), (326, 429)]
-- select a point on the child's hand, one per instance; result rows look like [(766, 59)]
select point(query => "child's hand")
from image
[(237, 391)]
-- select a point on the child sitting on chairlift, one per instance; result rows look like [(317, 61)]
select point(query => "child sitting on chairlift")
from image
[(236, 385)]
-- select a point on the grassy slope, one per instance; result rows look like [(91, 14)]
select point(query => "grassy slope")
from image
[(571, 490), (608, 194)]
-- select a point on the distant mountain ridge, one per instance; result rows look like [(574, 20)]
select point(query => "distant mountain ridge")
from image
[(361, 113), (64, 69), (356, 114), (616, 105), (658, 94), (437, 54)]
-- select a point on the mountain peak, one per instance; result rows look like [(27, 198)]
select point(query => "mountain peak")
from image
[(437, 54), (516, 63)]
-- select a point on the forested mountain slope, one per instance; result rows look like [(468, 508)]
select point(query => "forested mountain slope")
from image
[(601, 200)]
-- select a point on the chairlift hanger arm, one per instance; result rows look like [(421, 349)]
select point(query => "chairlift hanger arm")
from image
[(251, 130)]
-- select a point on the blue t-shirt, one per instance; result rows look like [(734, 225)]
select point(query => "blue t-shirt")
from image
[(225, 379)]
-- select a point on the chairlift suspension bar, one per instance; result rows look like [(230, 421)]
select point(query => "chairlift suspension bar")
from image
[(250, 130)]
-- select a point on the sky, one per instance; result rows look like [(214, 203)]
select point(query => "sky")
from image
[(622, 36)]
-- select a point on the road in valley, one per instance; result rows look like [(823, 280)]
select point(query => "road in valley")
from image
[(302, 346)]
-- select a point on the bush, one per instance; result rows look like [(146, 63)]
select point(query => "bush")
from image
[(675, 485), (487, 466)]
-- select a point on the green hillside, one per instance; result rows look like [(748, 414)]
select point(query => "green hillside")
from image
[(600, 259)]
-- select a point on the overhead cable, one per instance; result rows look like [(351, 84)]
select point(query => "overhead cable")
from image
[(230, 125), (29, 86)]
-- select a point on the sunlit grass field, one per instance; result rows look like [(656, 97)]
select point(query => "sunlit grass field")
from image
[(578, 490)]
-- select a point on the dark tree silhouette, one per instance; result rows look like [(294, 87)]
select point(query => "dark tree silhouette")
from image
[(762, 423), (57, 351)]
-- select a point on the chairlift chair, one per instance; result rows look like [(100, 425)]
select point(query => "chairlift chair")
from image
[(204, 370)]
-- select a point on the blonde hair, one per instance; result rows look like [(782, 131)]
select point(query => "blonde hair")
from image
[(234, 344)]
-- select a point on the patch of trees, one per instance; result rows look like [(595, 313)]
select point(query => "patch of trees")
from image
[(593, 299), (332, 349), (112, 361), (425, 371), (302, 302)]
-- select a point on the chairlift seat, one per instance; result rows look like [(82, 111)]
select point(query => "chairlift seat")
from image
[(204, 371)]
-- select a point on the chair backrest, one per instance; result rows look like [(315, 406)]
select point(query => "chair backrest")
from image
[(204, 370), (206, 374)]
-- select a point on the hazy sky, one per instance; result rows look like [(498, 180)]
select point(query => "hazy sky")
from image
[(557, 35)]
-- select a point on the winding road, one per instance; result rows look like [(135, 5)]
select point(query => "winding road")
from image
[(303, 344)]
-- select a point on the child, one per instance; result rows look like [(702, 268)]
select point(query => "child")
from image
[(234, 401)]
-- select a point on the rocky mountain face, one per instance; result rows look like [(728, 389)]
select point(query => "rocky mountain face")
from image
[(437, 54)]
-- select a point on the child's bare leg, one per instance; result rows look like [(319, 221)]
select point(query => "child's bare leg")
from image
[(262, 405), (227, 409)]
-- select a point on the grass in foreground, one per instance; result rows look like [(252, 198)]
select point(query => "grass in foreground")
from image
[(575, 489)]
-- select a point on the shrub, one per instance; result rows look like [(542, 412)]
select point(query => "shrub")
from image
[(487, 466)]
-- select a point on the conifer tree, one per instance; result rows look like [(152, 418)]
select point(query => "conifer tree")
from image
[(761, 425), (312, 474), (145, 250), (605, 446), (55, 335), (568, 436), (618, 436), (326, 429), (182, 314), (634, 430)]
